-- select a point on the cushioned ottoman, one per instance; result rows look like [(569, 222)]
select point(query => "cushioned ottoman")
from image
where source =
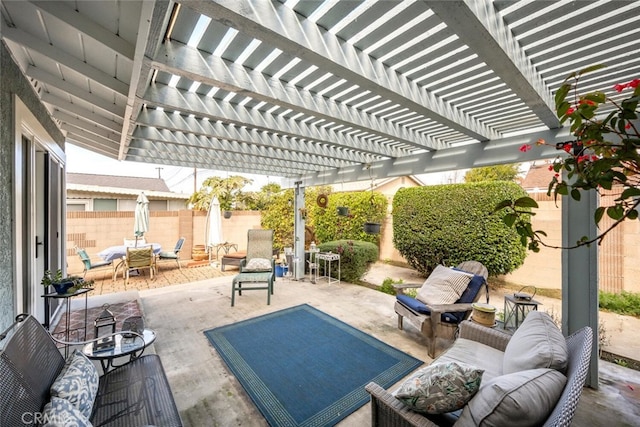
[(235, 258)]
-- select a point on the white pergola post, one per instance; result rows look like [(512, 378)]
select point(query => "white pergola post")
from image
[(580, 273), (298, 231)]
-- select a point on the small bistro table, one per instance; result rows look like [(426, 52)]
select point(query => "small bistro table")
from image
[(67, 322), (123, 346)]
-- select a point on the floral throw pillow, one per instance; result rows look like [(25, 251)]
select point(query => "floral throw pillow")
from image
[(77, 383), (440, 387), (61, 413), (258, 264)]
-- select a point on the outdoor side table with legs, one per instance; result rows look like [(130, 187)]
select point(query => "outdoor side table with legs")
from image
[(124, 346), (252, 278)]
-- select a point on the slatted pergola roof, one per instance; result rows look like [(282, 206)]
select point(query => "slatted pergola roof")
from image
[(317, 91)]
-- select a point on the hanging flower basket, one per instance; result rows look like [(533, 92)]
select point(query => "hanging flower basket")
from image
[(322, 200), (343, 211), (372, 227), (227, 214)]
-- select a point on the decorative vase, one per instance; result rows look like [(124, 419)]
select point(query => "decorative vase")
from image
[(198, 253), (227, 214), (343, 211), (372, 227)]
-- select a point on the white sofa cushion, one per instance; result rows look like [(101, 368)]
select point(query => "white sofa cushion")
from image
[(443, 286), (476, 354), (440, 387), (538, 343), (520, 399)]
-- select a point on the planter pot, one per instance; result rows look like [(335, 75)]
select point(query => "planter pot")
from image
[(198, 253), (227, 214), (62, 288), (372, 227), (343, 211)]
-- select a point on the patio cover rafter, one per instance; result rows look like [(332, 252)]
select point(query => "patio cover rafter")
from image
[(282, 28)]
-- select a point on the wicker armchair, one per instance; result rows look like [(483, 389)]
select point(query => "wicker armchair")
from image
[(387, 411)]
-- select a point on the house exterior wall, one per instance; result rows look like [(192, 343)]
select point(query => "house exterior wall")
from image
[(13, 84)]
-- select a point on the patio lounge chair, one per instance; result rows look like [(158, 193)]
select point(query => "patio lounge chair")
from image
[(258, 266), (175, 255), (440, 322), (88, 265), (138, 259)]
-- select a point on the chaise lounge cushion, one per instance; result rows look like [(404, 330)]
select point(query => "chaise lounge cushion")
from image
[(258, 265), (77, 383), (520, 399), (538, 343), (440, 387), (443, 286), (61, 413)]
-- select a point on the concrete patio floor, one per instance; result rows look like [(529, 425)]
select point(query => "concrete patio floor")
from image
[(208, 395)]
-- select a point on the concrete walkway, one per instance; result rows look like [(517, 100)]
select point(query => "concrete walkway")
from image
[(208, 395)]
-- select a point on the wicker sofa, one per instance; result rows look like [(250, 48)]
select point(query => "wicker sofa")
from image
[(484, 348), (136, 394)]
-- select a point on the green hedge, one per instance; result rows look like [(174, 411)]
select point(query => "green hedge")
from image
[(364, 206), (355, 257), (454, 223)]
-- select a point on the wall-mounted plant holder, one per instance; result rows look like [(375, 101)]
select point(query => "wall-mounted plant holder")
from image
[(227, 214), (343, 211), (372, 227)]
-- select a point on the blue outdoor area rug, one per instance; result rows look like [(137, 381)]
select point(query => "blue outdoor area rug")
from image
[(302, 367)]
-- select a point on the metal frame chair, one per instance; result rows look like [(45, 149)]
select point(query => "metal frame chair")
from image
[(88, 265), (175, 255), (138, 258)]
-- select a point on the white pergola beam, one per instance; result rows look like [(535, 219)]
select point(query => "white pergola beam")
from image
[(480, 27), (282, 28), (181, 60)]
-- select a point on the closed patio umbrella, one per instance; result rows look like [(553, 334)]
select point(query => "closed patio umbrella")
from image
[(141, 217), (214, 225)]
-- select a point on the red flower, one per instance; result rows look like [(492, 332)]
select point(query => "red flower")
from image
[(525, 147), (557, 175), (567, 148), (627, 126), (570, 111), (619, 88), (587, 101), (550, 167), (583, 158), (634, 83)]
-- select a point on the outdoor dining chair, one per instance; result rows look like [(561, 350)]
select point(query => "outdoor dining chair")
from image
[(139, 258), (88, 264), (175, 255)]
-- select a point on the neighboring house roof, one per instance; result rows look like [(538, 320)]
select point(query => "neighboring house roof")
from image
[(366, 185), (538, 177), (154, 188)]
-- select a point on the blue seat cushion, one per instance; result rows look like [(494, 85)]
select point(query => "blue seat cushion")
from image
[(468, 296)]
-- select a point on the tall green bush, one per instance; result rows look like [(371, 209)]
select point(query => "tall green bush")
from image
[(364, 206), (454, 223), (355, 258)]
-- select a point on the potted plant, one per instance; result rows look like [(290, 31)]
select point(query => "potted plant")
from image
[(63, 285)]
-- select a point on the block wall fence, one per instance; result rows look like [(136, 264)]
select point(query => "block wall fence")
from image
[(619, 260)]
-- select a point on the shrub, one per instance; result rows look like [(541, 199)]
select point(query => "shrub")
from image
[(627, 303), (355, 257), (387, 286), (448, 224)]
